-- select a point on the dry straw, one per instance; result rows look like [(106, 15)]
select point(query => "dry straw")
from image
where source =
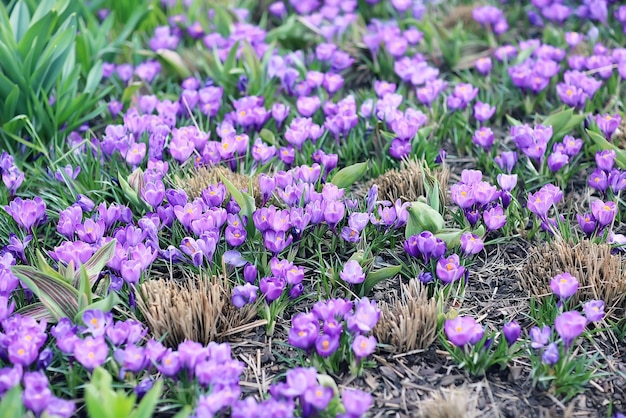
[(195, 308), (194, 182), (408, 182), (601, 274), (457, 402), (408, 322)]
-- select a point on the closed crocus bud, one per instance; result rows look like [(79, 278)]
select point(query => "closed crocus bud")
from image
[(511, 332), (250, 273), (587, 223), (136, 180)]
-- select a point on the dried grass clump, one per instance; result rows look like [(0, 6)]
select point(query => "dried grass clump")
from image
[(601, 274), (409, 322), (195, 308), (458, 402), (199, 179), (408, 182)]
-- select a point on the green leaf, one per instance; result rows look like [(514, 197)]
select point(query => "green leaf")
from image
[(96, 263), (451, 236), (347, 176), (10, 103), (563, 122), (602, 143), (513, 121), (422, 217), (245, 201), (37, 311), (184, 413), (149, 402), (130, 90), (84, 291), (267, 136), (98, 392), (11, 404), (60, 298), (375, 277), (20, 19), (93, 78), (131, 194), (173, 61)]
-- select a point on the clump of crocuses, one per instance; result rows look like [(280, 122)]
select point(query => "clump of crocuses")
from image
[(553, 359), (336, 332), (477, 350)]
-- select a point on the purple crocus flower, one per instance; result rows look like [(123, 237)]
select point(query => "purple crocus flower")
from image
[(540, 336), (483, 111), (352, 273), (471, 243), (594, 310), (605, 160), (598, 180), (494, 218), (463, 330), (91, 352), (326, 345), (365, 317), (511, 331), (244, 295), (603, 212), (28, 213), (551, 354), (272, 288), (304, 331), (449, 269), (608, 124), (96, 322), (356, 402), (570, 325), (363, 346), (564, 285)]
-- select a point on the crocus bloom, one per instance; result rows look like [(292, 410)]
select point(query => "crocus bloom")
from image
[(603, 212), (570, 325), (494, 218), (471, 243), (91, 352), (363, 346), (594, 310), (272, 288), (511, 331), (27, 212), (365, 317), (605, 160), (463, 330), (244, 295), (564, 285), (352, 272), (326, 345), (449, 269), (540, 336), (356, 402), (608, 124), (484, 138), (551, 355), (483, 111)]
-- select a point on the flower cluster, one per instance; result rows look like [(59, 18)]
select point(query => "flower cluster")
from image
[(336, 330), (479, 199)]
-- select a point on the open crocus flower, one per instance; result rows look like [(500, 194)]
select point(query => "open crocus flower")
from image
[(463, 330), (564, 285), (449, 269)]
